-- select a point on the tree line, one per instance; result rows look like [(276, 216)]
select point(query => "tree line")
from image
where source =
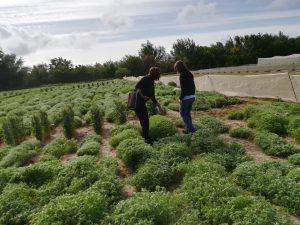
[(236, 51)]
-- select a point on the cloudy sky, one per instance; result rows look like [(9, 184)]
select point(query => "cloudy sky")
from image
[(99, 30)]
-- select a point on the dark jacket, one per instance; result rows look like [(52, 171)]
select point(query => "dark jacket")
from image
[(187, 84), (146, 85)]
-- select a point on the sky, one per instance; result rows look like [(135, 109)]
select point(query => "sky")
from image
[(100, 30)]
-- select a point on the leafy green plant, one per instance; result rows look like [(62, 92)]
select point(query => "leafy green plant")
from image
[(17, 202), (295, 159), (97, 118), (272, 122), (148, 208), (212, 123), (117, 113), (87, 207), (13, 130), (274, 145), (161, 127), (37, 127), (270, 179), (243, 133), (21, 154), (134, 152), (90, 146), (68, 122), (237, 115), (59, 147), (115, 140)]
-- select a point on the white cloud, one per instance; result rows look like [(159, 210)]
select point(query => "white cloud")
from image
[(201, 9)]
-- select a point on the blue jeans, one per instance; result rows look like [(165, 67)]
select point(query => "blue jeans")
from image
[(185, 112)]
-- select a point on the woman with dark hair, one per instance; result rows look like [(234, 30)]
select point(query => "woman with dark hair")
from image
[(146, 90), (187, 96)]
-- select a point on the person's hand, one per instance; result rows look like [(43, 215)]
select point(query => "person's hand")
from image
[(145, 98)]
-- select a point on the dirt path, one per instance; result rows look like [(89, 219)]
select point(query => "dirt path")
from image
[(295, 220), (108, 151)]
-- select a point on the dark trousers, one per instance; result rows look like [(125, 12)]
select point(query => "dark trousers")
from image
[(185, 112), (142, 113)]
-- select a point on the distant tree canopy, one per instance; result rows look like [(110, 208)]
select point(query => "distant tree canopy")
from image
[(235, 51)]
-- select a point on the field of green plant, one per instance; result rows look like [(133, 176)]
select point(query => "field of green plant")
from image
[(51, 172)]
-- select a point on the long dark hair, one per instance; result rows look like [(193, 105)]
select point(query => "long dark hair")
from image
[(180, 67)]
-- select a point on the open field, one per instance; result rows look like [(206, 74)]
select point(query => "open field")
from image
[(73, 154)]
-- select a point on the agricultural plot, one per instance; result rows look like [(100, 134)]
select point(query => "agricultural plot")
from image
[(73, 154)]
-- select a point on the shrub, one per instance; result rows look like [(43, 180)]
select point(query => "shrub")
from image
[(152, 174), (295, 159), (125, 134), (148, 208), (17, 202), (270, 179), (68, 122), (97, 118), (117, 114), (83, 208), (237, 115), (274, 145), (36, 175), (212, 123), (134, 152), (294, 127), (46, 128), (161, 127), (59, 147), (13, 130), (273, 123), (21, 154), (77, 122), (37, 127), (89, 147), (220, 201), (243, 133), (4, 150), (123, 127), (205, 141)]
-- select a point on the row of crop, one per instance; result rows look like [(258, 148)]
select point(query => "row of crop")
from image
[(81, 192)]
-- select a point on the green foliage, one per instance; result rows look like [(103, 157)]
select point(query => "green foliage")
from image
[(134, 152), (152, 109), (68, 122), (17, 202), (294, 127), (270, 179), (272, 123), (4, 150), (295, 159), (148, 208), (87, 207), (59, 147), (161, 127), (117, 113), (36, 175), (90, 146), (115, 140), (122, 72), (21, 154), (46, 128), (13, 130), (243, 133), (220, 201), (37, 127), (237, 115), (274, 145), (127, 126), (97, 118), (211, 123), (152, 174)]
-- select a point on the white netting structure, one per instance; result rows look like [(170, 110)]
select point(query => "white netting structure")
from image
[(282, 85), (279, 60)]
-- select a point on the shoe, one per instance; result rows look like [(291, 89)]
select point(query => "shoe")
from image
[(185, 132)]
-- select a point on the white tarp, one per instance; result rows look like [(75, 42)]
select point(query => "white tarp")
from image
[(279, 60), (261, 86)]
